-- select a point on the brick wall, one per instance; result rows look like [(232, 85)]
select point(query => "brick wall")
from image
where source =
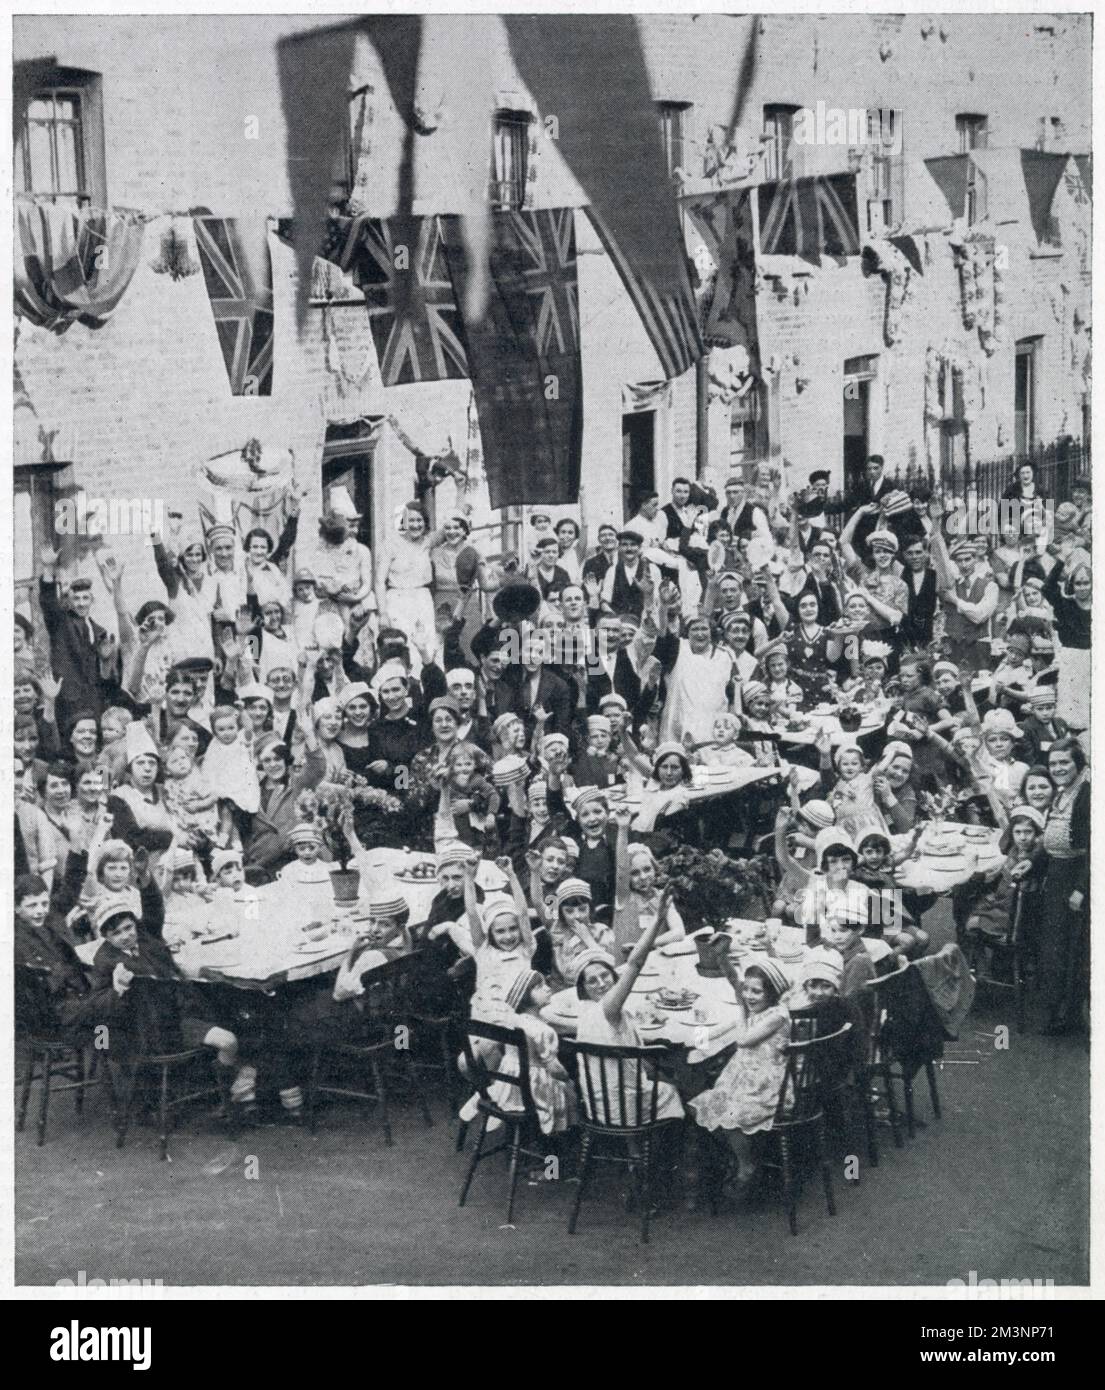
[(146, 397)]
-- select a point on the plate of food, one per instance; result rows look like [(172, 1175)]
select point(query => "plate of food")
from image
[(318, 948), (976, 832), (676, 1000), (425, 871), (678, 948)]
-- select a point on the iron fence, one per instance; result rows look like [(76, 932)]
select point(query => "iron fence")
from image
[(1059, 466)]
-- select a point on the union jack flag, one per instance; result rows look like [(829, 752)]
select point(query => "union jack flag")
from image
[(545, 242), (412, 306), (670, 316), (524, 355), (242, 310), (810, 217)]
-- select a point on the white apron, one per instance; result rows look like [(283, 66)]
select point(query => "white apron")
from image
[(696, 694)]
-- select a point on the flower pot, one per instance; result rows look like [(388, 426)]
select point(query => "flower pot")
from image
[(345, 885), (707, 966)]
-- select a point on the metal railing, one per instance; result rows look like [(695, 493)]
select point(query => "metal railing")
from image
[(1058, 467)]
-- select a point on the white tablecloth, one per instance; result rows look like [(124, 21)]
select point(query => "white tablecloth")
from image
[(675, 967), (267, 946), (974, 850), (872, 720)]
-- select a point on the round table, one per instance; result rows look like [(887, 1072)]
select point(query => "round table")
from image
[(709, 1025), (819, 720), (947, 856)]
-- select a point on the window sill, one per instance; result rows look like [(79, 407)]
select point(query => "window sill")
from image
[(1046, 253)]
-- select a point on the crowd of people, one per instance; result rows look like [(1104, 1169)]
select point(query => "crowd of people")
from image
[(551, 714)]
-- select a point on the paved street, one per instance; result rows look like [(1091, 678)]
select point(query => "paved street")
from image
[(998, 1186)]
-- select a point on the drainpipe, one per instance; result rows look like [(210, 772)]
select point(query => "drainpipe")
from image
[(702, 425)]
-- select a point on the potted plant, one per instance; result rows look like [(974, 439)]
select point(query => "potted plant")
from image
[(337, 822), (710, 887)]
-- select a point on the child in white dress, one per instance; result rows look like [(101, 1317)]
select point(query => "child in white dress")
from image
[(229, 770)]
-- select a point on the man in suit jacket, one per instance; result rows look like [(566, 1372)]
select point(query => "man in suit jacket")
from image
[(747, 521), (74, 644), (621, 666), (875, 487), (531, 684)]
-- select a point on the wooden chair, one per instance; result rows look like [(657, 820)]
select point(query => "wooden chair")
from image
[(880, 1060), (385, 1035), (1007, 950), (901, 1004), (485, 1066), (442, 1024), (619, 1089), (848, 1085), (184, 1075), (54, 1054), (800, 1112)]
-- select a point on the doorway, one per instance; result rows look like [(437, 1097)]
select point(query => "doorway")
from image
[(859, 374), (347, 461), (638, 459)]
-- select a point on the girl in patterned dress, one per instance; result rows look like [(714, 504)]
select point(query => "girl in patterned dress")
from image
[(743, 1100)]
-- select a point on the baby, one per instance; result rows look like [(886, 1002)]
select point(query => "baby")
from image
[(188, 798), (228, 767), (723, 750)]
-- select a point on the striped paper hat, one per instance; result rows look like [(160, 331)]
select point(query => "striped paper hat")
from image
[(572, 888), (386, 902), (505, 772)]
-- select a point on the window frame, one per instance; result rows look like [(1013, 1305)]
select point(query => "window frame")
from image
[(775, 152), (972, 129), (674, 133), (519, 122), (87, 89)]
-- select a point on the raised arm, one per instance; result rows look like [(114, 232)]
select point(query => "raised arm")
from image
[(851, 559), (614, 1000), (471, 906), (521, 907)]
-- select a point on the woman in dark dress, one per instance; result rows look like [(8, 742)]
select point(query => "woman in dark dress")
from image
[(1064, 929)]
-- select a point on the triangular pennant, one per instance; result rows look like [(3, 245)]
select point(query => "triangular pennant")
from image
[(1042, 172), (950, 173)]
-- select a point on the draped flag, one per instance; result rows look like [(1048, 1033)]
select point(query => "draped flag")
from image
[(724, 221), (670, 316), (416, 325), (951, 172), (593, 66), (242, 309), (73, 266), (810, 217), (314, 91), (524, 355), (1042, 172)]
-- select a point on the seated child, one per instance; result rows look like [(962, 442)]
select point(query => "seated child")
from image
[(174, 1015), (724, 750), (888, 920), (597, 766), (637, 894), (550, 1085)]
